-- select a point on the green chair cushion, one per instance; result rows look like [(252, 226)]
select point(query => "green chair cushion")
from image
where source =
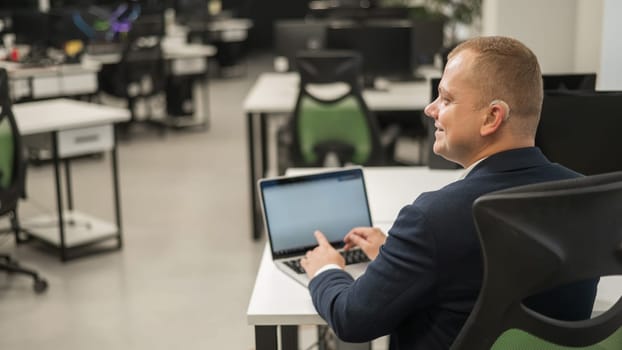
[(516, 339), (6, 154), (343, 121)]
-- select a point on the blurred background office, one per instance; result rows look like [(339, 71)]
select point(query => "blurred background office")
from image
[(203, 99)]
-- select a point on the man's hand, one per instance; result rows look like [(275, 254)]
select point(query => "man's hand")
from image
[(368, 238), (322, 255)]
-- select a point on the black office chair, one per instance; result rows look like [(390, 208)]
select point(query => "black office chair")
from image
[(538, 237), (140, 74), (342, 125), (12, 179)]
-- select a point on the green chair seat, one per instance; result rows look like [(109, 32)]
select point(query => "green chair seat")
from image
[(516, 339)]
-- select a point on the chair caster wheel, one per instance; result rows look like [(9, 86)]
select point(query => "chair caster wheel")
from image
[(40, 286)]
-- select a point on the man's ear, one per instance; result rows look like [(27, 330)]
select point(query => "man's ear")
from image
[(496, 114)]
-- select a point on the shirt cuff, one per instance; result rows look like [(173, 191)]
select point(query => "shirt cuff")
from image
[(326, 268)]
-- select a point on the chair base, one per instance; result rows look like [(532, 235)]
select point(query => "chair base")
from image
[(12, 266)]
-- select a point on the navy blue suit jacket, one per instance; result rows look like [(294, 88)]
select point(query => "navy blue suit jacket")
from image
[(424, 282)]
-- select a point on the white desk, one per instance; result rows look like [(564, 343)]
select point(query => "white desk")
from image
[(277, 300), (276, 93), (51, 81), (77, 128), (229, 29), (184, 60), (170, 50)]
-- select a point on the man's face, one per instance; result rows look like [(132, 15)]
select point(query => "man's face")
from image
[(456, 113)]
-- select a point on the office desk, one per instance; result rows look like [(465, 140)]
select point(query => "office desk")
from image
[(184, 60), (32, 83), (276, 93), (76, 128), (171, 51), (279, 301)]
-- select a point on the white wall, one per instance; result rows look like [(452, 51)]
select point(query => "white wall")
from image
[(610, 75), (588, 35), (547, 27), (579, 36)]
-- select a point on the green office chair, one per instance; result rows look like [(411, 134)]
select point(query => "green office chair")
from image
[(340, 125), (12, 179), (538, 237)]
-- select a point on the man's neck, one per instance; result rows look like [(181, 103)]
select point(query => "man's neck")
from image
[(497, 148)]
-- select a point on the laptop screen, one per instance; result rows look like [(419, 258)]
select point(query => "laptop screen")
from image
[(294, 207)]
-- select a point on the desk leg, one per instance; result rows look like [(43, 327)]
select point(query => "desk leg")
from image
[(266, 337), (68, 184), (250, 135), (263, 138), (115, 182), (59, 196), (289, 337), (254, 174)]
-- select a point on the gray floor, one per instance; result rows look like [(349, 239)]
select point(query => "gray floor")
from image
[(184, 277)]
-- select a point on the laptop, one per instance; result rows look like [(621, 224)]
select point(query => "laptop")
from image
[(294, 207)]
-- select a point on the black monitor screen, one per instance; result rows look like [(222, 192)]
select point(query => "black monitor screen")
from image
[(386, 46), (32, 28), (585, 82), (12, 6), (64, 4), (292, 36), (428, 39), (581, 130)]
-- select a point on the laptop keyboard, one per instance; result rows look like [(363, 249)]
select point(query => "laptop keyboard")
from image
[(351, 256)]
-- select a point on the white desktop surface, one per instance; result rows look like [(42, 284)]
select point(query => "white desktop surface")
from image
[(277, 93), (171, 51), (17, 70), (230, 24), (64, 114), (279, 300)]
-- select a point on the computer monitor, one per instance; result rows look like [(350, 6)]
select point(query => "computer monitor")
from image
[(585, 82), (428, 39), (70, 4), (581, 130), (12, 6), (190, 10), (293, 36), (386, 46), (148, 24), (31, 27)]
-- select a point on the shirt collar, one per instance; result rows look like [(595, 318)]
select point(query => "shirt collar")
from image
[(468, 170)]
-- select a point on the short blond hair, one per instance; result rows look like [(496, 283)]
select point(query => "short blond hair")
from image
[(508, 70)]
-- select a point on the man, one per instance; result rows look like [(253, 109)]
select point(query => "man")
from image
[(426, 275)]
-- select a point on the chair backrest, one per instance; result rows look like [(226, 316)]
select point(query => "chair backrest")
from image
[(142, 59), (538, 237), (12, 168), (340, 121)]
